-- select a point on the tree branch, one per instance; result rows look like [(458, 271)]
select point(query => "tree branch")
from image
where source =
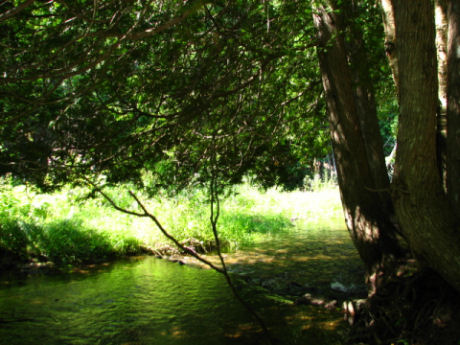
[(214, 217), (12, 12), (146, 213)]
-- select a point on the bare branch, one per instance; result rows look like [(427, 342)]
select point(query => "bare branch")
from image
[(112, 202), (12, 12), (146, 213), (170, 237)]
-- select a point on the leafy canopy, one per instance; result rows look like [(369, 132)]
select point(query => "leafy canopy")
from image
[(119, 87)]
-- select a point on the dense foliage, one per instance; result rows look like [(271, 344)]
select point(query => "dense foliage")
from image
[(118, 87)]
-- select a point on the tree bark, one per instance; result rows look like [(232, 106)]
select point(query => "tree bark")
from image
[(390, 38), (366, 110), (441, 48), (453, 105), (423, 211), (359, 177)]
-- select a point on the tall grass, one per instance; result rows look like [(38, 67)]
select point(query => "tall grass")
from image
[(68, 227)]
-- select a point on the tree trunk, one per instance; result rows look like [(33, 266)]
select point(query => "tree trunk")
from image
[(421, 206), (441, 48), (453, 104), (366, 109), (390, 38), (360, 178)]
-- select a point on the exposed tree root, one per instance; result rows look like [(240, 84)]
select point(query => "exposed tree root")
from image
[(420, 309)]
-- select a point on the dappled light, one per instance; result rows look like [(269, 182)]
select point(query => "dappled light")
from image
[(303, 259), (141, 141), (278, 247), (148, 301)]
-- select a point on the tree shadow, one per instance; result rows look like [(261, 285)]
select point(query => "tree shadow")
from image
[(293, 265)]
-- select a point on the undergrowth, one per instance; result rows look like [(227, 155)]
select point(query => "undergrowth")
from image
[(72, 226)]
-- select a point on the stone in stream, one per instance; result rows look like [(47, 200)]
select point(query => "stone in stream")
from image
[(308, 299)]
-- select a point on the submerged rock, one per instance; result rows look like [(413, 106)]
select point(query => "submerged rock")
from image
[(348, 289), (336, 286), (308, 299)]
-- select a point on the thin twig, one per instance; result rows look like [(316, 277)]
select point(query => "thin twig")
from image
[(170, 237), (146, 213), (214, 217)]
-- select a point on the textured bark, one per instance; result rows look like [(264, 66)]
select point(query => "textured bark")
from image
[(441, 48), (366, 109), (453, 121), (422, 209), (359, 176), (390, 38)]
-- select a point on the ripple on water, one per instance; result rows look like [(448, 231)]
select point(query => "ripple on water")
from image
[(151, 301)]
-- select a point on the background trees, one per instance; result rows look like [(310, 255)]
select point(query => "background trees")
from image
[(125, 86)]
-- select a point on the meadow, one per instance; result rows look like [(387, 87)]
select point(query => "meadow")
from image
[(74, 226)]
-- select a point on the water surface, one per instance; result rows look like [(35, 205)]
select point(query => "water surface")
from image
[(152, 301)]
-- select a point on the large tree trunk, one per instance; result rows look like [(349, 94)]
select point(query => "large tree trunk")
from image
[(360, 164), (453, 104), (422, 209), (366, 109)]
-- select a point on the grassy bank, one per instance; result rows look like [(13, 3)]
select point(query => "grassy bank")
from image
[(68, 228)]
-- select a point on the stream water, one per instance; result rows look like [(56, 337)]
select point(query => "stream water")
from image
[(151, 301)]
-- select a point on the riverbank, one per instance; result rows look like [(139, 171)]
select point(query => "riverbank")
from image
[(73, 227)]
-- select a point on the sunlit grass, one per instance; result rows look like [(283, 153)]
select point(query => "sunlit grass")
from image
[(68, 227)]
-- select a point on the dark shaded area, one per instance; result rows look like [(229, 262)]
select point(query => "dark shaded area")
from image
[(415, 309)]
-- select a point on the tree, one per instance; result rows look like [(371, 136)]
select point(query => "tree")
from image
[(133, 86), (422, 207), (423, 214), (453, 106), (357, 144), (420, 203)]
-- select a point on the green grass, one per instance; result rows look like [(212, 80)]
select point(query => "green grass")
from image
[(68, 228)]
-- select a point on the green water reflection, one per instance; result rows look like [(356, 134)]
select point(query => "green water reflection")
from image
[(152, 301), (147, 302)]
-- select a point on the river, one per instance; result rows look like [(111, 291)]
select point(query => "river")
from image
[(145, 300)]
